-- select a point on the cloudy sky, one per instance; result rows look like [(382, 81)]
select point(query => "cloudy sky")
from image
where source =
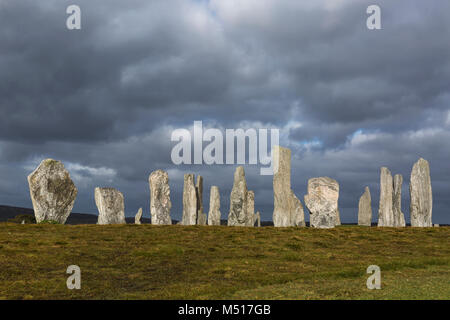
[(105, 99)]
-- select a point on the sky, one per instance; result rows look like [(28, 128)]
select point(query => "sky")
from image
[(105, 99)]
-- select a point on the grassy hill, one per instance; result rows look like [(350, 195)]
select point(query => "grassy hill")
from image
[(177, 262)]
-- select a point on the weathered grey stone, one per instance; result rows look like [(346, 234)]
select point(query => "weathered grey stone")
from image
[(238, 200), (322, 202), (110, 204), (252, 217), (385, 210), (250, 207), (257, 219), (189, 201), (138, 216), (421, 205), (365, 209), (160, 203), (288, 210), (399, 217), (52, 191), (199, 193), (201, 216), (297, 211), (201, 219), (214, 214)]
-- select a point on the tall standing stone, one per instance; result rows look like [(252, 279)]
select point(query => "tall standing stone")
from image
[(189, 201), (288, 210), (52, 191), (421, 194), (385, 210), (399, 217), (252, 216), (322, 202), (238, 200), (138, 216), (214, 207), (160, 203), (201, 216), (110, 204), (365, 209), (250, 208)]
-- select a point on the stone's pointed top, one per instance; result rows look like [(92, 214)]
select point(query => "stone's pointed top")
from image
[(385, 169), (239, 172), (138, 216)]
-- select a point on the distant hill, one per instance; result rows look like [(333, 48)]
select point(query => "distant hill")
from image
[(8, 212)]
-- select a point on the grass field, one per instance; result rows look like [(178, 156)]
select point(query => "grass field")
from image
[(177, 262)]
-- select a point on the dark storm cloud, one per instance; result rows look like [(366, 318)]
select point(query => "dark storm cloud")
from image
[(106, 98)]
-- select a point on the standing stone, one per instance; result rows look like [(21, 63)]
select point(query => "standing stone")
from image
[(238, 200), (365, 209), (399, 217), (199, 193), (52, 191), (138, 216), (160, 203), (189, 201), (385, 210), (322, 202), (297, 212), (421, 194), (214, 207), (288, 210), (110, 204), (201, 216), (252, 216), (257, 219)]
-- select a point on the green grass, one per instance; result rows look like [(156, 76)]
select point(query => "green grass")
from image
[(178, 262)]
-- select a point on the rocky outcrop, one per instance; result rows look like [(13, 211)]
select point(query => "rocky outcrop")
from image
[(365, 209), (385, 210), (189, 201), (238, 215), (322, 202), (138, 216), (110, 204), (52, 191), (160, 203), (214, 214), (399, 217), (421, 205), (288, 210)]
